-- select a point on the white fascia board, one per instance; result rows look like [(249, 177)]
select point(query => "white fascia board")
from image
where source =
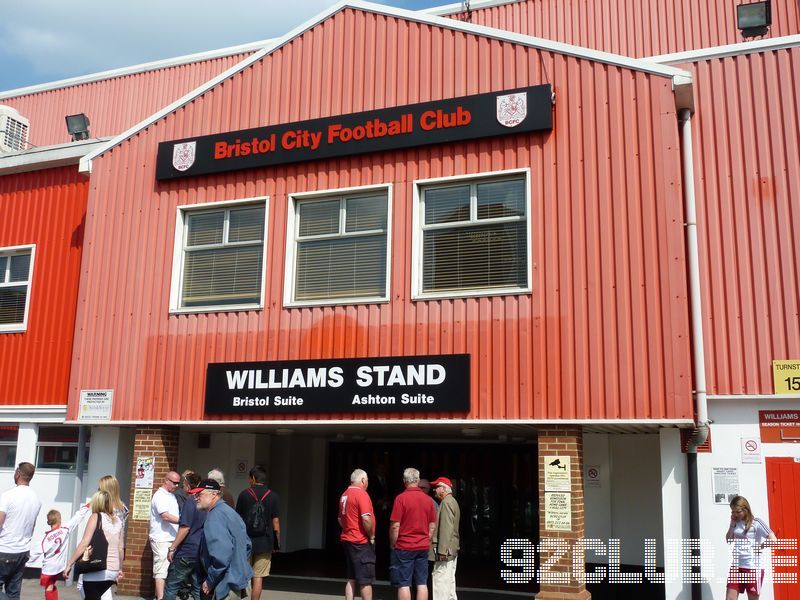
[(458, 7), (134, 69), (768, 45), (444, 423), (489, 32), (48, 157), (42, 413)]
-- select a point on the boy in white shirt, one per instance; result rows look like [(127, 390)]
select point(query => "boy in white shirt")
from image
[(54, 550)]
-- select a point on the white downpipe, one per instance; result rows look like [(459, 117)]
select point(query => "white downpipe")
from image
[(695, 301)]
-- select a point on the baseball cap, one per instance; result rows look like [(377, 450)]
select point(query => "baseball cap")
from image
[(441, 481), (205, 484)]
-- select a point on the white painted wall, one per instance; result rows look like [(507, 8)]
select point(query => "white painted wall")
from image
[(297, 471), (627, 505), (675, 503), (225, 452), (734, 419)]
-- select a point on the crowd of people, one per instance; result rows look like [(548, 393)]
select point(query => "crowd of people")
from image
[(221, 549), (420, 530)]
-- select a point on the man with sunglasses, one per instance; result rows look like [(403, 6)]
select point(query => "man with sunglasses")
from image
[(164, 518)]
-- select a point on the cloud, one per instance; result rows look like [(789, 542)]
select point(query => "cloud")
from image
[(42, 40)]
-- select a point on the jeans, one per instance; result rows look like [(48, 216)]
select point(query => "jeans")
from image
[(181, 571), (11, 568)]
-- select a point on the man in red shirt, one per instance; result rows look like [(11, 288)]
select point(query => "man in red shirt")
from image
[(356, 518), (413, 519)]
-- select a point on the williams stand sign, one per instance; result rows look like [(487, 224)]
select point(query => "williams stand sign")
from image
[(358, 385), (522, 110)]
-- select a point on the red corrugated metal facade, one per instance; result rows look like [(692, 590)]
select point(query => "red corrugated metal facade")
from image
[(605, 333), (115, 104), (45, 208), (632, 27), (747, 173)]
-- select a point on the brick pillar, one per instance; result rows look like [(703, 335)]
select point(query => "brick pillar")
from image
[(162, 444), (555, 441)]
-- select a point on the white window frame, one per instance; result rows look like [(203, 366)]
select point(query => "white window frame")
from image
[(8, 251), (418, 218), (75, 444), (292, 224), (182, 211)]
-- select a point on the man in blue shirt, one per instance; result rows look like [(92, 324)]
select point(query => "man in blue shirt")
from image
[(224, 546), (183, 552)]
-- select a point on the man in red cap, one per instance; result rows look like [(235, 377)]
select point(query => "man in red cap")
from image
[(445, 542)]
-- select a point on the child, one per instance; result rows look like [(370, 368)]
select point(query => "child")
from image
[(54, 549)]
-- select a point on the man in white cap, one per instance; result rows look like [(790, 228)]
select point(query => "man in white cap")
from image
[(445, 542)]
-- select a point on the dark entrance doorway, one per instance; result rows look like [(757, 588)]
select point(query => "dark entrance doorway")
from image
[(495, 485)]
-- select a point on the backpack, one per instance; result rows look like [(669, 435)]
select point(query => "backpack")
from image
[(257, 520)]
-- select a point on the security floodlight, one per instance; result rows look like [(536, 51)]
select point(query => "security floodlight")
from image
[(78, 126), (754, 19)]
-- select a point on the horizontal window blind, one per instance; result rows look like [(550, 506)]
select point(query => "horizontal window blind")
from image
[(14, 273), (223, 257), (340, 248), (475, 236)]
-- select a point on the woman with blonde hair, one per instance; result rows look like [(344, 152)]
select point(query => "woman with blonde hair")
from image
[(110, 485), (749, 535), (95, 584)]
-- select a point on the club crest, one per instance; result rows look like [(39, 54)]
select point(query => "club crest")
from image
[(183, 155), (512, 109)]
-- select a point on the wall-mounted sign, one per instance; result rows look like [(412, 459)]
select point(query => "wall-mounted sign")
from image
[(751, 450), (145, 472), (779, 426), (558, 511), (557, 477), (95, 405), (724, 484), (359, 385), (786, 377), (141, 504), (520, 110), (592, 476)]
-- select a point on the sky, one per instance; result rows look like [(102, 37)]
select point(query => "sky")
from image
[(48, 40)]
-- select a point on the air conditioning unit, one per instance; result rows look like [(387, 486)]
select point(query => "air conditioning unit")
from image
[(13, 130)]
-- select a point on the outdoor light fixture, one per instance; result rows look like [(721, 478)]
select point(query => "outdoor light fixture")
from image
[(754, 19), (78, 126)]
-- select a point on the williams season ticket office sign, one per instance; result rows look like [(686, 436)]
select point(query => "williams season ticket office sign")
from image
[(469, 117), (394, 384)]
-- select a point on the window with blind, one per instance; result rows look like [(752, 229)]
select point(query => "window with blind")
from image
[(474, 236), (15, 281), (340, 246), (223, 252)]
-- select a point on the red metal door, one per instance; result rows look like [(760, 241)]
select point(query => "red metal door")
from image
[(783, 486)]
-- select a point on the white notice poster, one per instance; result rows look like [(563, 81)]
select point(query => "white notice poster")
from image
[(725, 484)]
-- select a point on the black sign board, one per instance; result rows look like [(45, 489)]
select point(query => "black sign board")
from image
[(470, 117), (362, 385)]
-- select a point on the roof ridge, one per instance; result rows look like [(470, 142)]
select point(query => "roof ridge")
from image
[(548, 45)]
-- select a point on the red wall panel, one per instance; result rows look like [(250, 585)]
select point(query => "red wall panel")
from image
[(116, 104), (45, 208), (632, 27), (604, 333), (747, 179)]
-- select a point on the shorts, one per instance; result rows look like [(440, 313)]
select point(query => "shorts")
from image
[(160, 562), (745, 580), (408, 567), (261, 563), (360, 561), (46, 580)]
